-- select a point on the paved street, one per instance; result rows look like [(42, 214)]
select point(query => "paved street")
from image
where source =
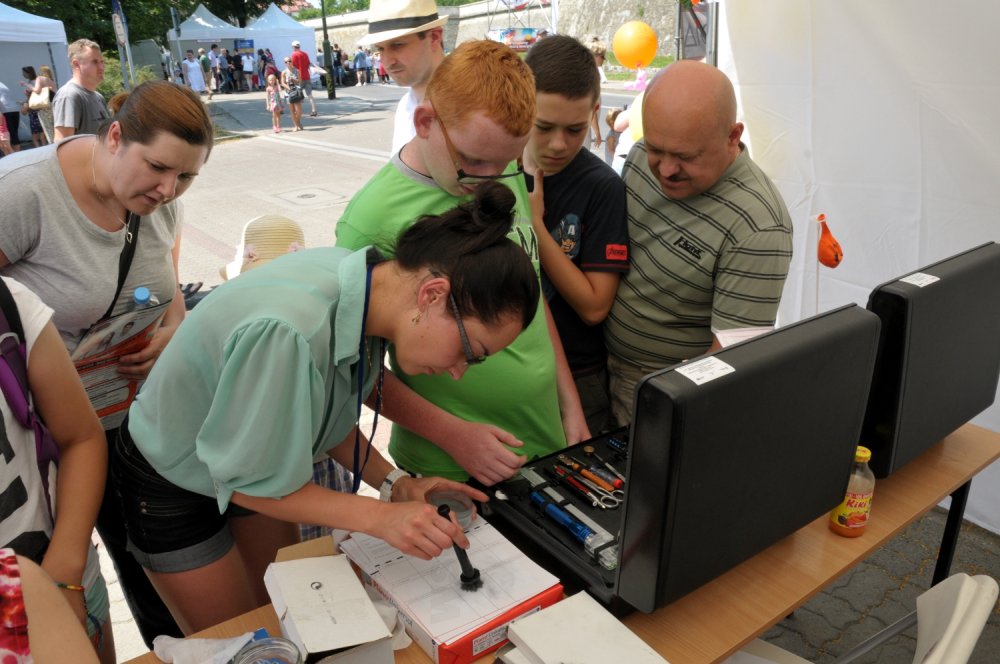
[(310, 177)]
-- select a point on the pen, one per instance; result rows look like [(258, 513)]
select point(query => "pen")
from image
[(576, 466), (573, 484), (590, 451)]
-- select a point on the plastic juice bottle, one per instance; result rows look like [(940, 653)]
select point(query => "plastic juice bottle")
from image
[(851, 517)]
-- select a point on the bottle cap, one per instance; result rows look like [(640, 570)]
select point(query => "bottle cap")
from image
[(863, 454), (141, 295)]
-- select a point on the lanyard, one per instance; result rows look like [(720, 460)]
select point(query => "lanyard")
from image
[(359, 466)]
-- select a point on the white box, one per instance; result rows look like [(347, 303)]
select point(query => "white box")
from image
[(578, 630), (325, 611)]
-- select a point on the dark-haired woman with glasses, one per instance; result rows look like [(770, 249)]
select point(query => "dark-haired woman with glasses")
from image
[(215, 464)]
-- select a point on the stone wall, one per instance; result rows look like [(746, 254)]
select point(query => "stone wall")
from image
[(581, 18)]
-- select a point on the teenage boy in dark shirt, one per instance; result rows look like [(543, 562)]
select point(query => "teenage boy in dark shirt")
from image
[(578, 206)]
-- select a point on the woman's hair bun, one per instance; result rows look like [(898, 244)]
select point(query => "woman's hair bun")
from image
[(493, 203)]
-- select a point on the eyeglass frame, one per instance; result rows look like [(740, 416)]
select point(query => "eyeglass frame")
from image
[(465, 178), (470, 357)]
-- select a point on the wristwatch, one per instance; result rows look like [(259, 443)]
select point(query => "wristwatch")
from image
[(385, 491)]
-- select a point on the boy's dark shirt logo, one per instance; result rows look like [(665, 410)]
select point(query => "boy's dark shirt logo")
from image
[(688, 246), (616, 252)]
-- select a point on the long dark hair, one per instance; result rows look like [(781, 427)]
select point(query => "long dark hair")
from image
[(491, 276)]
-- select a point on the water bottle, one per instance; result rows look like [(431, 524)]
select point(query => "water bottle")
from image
[(142, 298)]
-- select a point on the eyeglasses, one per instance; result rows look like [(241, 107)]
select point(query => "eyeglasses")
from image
[(470, 357), (465, 178)]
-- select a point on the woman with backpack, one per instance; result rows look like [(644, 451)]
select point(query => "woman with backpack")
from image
[(49, 517)]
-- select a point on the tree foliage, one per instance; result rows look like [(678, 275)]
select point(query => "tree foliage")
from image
[(147, 19)]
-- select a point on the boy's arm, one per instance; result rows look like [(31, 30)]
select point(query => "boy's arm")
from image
[(591, 294), (574, 421)]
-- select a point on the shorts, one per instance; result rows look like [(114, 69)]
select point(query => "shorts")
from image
[(13, 119), (307, 87), (170, 529)]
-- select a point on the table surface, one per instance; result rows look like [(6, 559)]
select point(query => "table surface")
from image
[(717, 619)]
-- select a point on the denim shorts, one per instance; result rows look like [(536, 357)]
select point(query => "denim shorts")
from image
[(170, 529)]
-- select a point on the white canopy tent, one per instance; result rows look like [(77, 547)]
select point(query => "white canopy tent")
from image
[(881, 116), (201, 30), (29, 40), (276, 30)]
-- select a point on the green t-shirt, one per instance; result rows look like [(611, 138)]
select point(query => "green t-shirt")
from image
[(260, 380), (514, 389)]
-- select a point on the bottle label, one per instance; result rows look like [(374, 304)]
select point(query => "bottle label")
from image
[(853, 512)]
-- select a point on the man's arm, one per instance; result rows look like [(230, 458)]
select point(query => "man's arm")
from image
[(63, 132)]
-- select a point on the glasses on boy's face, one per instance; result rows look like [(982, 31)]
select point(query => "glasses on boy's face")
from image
[(470, 357), (465, 178)]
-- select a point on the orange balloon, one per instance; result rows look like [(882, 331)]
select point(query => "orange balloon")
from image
[(828, 250), (634, 44)]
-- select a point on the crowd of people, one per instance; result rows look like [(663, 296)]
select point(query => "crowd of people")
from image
[(517, 284)]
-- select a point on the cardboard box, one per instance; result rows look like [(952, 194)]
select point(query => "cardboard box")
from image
[(473, 644), (324, 609), (578, 630)]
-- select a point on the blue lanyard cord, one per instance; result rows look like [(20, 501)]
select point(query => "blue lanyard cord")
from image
[(359, 466)]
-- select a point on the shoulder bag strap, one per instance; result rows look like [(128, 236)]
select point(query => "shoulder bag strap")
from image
[(125, 259), (14, 385)]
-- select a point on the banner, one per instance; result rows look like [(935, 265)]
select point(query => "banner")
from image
[(519, 39)]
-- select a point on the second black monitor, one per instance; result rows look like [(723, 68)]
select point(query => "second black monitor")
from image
[(939, 355)]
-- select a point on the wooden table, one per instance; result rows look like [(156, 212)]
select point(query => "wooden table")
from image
[(720, 617)]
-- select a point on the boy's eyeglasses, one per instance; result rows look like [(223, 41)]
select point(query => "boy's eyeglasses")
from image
[(465, 178), (470, 357)]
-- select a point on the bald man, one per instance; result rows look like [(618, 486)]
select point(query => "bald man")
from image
[(710, 236)]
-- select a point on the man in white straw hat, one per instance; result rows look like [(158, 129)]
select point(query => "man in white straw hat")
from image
[(409, 35)]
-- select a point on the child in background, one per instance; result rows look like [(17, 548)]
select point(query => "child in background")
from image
[(274, 103), (5, 147), (611, 140)]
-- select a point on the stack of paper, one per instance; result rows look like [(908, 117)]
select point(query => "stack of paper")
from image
[(577, 630), (429, 593)]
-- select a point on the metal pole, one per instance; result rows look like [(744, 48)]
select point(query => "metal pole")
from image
[(712, 39), (331, 89), (677, 34)]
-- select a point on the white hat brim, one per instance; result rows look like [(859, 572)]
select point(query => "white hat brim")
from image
[(387, 35)]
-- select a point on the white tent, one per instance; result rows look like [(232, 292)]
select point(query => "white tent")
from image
[(881, 116), (26, 39), (276, 30), (201, 30)]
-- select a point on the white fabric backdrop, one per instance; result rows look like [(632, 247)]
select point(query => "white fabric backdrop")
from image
[(883, 116)]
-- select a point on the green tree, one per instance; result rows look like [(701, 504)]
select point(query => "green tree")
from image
[(147, 19), (112, 83), (306, 14)]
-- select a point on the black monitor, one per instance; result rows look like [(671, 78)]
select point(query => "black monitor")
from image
[(726, 455), (721, 470), (939, 355)]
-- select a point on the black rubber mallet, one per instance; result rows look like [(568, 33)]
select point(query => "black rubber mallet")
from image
[(470, 575)]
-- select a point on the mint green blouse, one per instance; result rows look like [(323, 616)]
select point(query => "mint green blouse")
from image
[(260, 379)]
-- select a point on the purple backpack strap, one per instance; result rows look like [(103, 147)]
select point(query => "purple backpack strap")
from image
[(14, 384)]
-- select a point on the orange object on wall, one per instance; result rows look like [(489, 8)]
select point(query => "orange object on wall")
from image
[(828, 250)]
